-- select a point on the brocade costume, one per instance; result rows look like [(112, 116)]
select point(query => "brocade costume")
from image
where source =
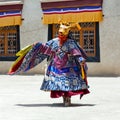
[(65, 75)]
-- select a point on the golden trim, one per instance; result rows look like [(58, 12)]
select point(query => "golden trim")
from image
[(73, 17), (12, 20)]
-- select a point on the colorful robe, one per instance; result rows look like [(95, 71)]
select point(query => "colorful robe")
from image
[(63, 72)]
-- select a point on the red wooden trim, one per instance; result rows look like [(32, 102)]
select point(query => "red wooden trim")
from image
[(11, 7), (46, 5)]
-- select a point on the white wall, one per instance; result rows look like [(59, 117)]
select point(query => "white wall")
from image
[(32, 30), (109, 41)]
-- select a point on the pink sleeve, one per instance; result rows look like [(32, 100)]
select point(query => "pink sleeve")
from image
[(75, 52)]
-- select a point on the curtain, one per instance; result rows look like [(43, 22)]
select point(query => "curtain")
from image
[(10, 13), (72, 11)]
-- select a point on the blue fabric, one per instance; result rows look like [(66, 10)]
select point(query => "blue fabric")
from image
[(32, 59), (63, 73), (63, 83), (81, 59), (63, 70)]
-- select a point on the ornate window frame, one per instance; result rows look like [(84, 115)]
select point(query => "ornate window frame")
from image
[(9, 42)]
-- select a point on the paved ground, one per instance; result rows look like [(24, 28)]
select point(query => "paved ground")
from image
[(21, 99)]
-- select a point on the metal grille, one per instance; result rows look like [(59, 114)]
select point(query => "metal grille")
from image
[(12, 43), (55, 30), (8, 41), (2, 43), (88, 43), (86, 37)]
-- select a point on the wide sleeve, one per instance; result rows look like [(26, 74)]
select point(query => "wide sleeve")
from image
[(77, 51), (79, 55), (32, 57)]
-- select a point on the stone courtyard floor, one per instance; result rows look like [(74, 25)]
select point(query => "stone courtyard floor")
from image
[(22, 99)]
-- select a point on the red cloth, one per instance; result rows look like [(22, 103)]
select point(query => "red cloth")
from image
[(62, 39), (57, 94), (15, 67)]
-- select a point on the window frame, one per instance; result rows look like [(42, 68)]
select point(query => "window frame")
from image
[(12, 58), (96, 58)]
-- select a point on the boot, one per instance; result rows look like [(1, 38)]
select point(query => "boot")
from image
[(67, 101)]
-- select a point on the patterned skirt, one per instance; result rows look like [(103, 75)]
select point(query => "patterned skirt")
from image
[(65, 82)]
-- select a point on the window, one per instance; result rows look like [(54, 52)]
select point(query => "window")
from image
[(87, 37), (9, 42)]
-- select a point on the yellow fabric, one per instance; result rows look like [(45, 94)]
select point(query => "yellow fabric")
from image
[(11, 20), (21, 54), (82, 72), (73, 17), (24, 50)]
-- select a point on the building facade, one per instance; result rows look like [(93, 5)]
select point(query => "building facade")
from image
[(99, 38)]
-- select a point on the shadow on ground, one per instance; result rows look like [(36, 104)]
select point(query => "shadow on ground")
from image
[(54, 105)]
